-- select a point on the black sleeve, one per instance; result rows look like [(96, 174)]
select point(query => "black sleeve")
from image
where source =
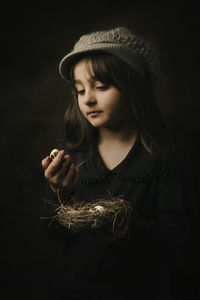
[(167, 232)]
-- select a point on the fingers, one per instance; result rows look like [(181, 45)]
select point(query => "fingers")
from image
[(72, 177), (56, 164), (69, 182), (61, 172), (64, 171), (65, 166), (46, 162), (60, 166)]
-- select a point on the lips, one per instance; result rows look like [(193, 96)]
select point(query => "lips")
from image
[(94, 112)]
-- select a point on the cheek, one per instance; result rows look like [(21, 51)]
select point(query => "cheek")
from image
[(80, 105), (116, 106), (116, 102), (81, 108)]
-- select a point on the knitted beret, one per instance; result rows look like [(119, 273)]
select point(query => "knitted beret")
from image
[(120, 42)]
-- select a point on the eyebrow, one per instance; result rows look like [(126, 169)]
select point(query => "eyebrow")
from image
[(77, 81)]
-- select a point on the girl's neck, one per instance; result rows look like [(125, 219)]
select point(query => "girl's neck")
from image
[(122, 135), (114, 146)]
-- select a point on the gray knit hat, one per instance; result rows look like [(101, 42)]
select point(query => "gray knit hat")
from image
[(120, 42)]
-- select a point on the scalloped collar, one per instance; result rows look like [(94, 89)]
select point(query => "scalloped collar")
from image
[(139, 165)]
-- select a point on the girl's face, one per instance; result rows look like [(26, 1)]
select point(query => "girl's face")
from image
[(101, 104)]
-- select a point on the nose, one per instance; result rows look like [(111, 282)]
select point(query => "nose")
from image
[(90, 98)]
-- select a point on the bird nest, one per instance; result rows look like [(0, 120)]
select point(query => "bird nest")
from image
[(103, 218)]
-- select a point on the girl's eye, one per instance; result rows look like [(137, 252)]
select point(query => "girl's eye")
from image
[(102, 87), (80, 92)]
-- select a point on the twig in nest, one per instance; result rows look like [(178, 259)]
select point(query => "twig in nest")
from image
[(105, 215)]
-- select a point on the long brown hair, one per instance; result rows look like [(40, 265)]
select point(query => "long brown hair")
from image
[(138, 93)]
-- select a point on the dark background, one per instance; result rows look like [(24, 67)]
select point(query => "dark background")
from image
[(34, 38)]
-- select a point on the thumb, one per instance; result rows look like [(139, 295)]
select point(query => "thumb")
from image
[(46, 162)]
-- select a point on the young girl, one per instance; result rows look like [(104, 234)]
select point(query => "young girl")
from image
[(116, 144)]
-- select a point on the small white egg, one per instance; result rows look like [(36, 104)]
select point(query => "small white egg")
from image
[(54, 153), (99, 207)]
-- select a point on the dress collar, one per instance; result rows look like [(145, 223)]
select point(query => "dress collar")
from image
[(138, 166)]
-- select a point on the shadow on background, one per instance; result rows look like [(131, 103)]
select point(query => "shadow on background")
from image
[(33, 101)]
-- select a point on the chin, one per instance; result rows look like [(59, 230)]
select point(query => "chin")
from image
[(98, 124)]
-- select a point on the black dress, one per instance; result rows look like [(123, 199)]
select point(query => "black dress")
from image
[(137, 267)]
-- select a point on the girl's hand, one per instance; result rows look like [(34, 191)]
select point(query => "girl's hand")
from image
[(61, 173)]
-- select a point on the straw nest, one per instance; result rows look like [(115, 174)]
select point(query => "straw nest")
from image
[(103, 218)]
